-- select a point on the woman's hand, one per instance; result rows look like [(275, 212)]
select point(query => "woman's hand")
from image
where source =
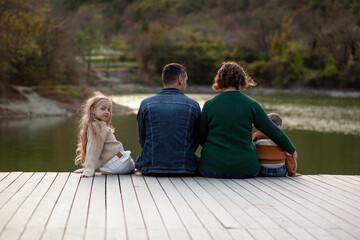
[(295, 157)]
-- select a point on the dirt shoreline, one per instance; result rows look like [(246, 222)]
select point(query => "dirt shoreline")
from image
[(66, 100), (32, 104)]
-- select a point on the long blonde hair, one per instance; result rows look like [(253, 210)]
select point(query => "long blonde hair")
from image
[(88, 122)]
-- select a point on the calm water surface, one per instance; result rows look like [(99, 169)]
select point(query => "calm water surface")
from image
[(326, 133)]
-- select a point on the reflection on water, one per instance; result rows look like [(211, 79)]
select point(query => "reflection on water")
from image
[(35, 125), (133, 100), (38, 144), (326, 133), (321, 115)]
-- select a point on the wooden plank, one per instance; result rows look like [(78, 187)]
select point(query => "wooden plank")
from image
[(235, 207), (55, 226), (222, 215), (133, 217), (325, 202), (95, 226), (63, 206), (322, 225), (343, 180), (36, 225), (3, 175), (171, 219), (334, 187), (153, 221), (10, 185), (349, 180), (75, 227), (115, 220), (270, 213), (298, 204), (11, 206), (339, 184), (236, 204), (209, 221), (354, 177), (295, 222), (316, 205), (340, 234), (16, 225), (189, 218), (275, 205), (7, 180), (327, 197), (327, 190)]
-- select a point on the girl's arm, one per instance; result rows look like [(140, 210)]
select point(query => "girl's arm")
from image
[(93, 150)]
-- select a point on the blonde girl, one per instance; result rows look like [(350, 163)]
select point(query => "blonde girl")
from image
[(97, 146)]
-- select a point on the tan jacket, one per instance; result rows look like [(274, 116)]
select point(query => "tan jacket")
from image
[(270, 153), (99, 153)]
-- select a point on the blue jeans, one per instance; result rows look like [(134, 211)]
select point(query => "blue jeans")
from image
[(273, 172), (221, 175)]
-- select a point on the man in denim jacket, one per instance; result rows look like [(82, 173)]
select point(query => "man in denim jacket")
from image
[(168, 125)]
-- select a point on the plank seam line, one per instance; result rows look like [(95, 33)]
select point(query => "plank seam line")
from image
[(139, 205), (105, 206), (232, 202), (313, 204), (326, 190), (88, 207), (16, 190), (278, 212), (187, 231), (187, 203), (37, 205), (71, 207), (245, 189), (326, 199), (221, 223), (2, 230), (52, 210), (123, 208), (7, 174), (347, 183), (157, 208), (320, 205), (335, 186)]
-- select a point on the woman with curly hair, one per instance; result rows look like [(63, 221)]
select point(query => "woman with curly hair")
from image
[(226, 127)]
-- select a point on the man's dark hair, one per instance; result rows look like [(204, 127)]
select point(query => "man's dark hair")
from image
[(171, 72), (275, 118)]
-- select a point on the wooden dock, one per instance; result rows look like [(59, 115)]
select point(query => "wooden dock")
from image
[(62, 205)]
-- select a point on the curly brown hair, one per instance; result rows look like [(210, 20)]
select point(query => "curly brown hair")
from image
[(232, 74)]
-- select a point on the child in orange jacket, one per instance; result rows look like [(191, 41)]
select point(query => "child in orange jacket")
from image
[(274, 161)]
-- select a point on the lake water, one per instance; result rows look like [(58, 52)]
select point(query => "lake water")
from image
[(326, 133)]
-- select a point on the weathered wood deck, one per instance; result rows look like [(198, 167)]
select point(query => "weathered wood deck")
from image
[(63, 206)]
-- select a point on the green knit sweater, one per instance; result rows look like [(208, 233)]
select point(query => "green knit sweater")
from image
[(225, 134)]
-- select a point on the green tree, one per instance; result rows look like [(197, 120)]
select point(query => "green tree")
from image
[(89, 39), (32, 44)]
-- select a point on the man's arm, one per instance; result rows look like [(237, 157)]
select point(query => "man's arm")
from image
[(197, 127), (141, 128)]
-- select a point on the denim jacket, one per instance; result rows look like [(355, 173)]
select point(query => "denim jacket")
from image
[(168, 126)]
